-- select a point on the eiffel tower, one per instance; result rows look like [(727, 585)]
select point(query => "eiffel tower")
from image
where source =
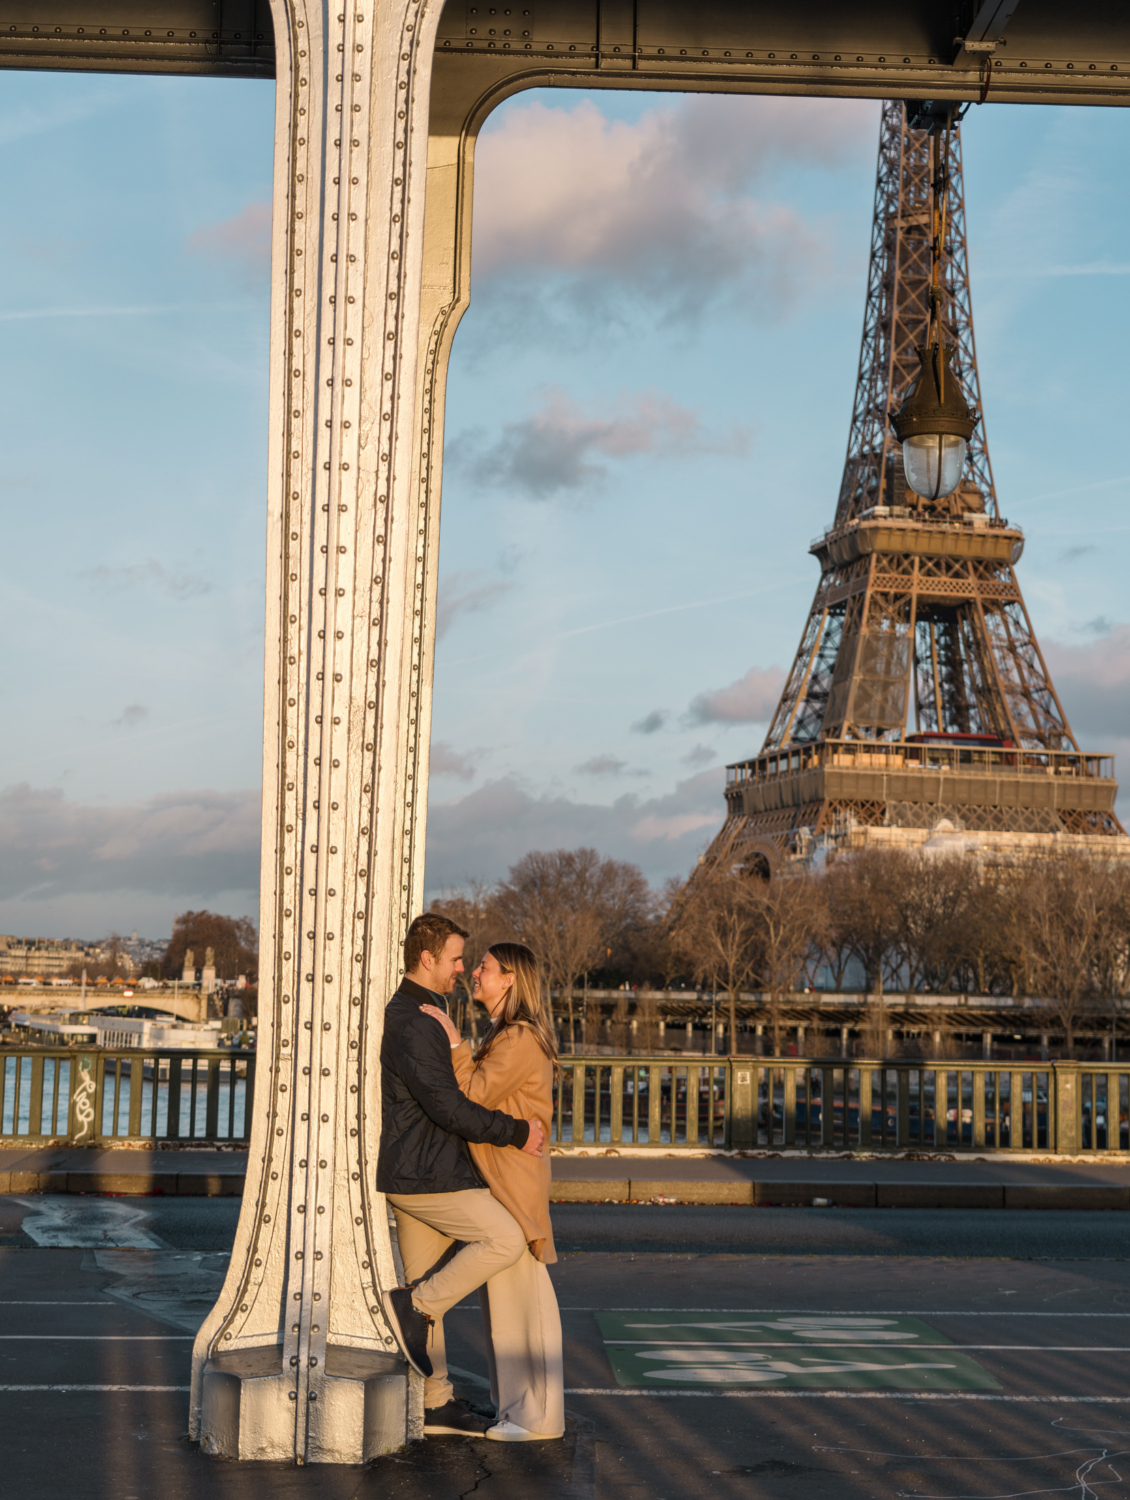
[(919, 704)]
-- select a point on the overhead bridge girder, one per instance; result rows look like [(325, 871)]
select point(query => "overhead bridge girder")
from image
[(219, 38), (1051, 53)]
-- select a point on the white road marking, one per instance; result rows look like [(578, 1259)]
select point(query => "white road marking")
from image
[(40, 1388), (62, 1224), (175, 1286), (1037, 1349), (763, 1395), (830, 1312)]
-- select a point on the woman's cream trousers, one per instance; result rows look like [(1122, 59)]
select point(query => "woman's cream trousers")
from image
[(523, 1327)]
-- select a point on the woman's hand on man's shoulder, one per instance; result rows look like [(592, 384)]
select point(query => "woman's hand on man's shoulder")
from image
[(444, 1020)]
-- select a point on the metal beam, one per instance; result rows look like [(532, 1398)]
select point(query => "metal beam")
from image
[(875, 49), (222, 38), (988, 25)]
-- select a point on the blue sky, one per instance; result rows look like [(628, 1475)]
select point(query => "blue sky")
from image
[(647, 412)]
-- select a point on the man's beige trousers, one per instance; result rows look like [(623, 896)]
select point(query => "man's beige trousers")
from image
[(523, 1326), (428, 1225)]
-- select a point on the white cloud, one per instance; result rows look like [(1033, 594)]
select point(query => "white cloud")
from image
[(1093, 683), (482, 834), (24, 120), (178, 585), (444, 761), (651, 723), (602, 765), (609, 765), (553, 450), (1089, 268), (659, 212), (750, 700), (244, 239), (31, 314), (700, 755), (190, 844), (462, 593)]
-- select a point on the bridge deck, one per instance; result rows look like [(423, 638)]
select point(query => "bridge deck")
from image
[(991, 1376)]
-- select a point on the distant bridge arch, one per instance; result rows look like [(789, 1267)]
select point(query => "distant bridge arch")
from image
[(185, 1004)]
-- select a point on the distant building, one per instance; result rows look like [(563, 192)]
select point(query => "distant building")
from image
[(47, 957), (50, 958), (160, 1035)]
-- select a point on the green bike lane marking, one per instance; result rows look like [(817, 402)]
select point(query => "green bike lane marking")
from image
[(798, 1352)]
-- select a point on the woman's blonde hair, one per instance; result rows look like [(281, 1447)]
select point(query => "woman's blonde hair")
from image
[(525, 1002)]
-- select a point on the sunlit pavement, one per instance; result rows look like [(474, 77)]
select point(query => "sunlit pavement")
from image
[(884, 1371)]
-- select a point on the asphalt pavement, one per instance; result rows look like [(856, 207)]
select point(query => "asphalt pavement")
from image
[(737, 1353), (208, 1224)]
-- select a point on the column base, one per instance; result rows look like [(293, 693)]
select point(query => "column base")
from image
[(247, 1409)]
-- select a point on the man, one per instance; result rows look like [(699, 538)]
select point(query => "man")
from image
[(427, 1173)]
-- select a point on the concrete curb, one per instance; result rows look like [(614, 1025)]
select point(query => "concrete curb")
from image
[(959, 1195), (145, 1181), (127, 1184)]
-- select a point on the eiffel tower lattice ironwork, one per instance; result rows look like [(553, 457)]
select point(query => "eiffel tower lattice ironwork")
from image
[(919, 692)]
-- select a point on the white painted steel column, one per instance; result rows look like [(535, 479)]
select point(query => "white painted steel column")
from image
[(295, 1361)]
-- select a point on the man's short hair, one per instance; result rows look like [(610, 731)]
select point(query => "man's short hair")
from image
[(428, 934)]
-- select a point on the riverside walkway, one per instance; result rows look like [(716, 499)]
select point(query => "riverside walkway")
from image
[(837, 1354)]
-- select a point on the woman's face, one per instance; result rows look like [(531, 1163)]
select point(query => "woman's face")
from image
[(492, 985)]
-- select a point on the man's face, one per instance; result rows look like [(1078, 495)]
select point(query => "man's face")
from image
[(442, 971)]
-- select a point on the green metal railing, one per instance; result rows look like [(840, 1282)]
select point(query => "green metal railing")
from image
[(742, 1103), (95, 1094)]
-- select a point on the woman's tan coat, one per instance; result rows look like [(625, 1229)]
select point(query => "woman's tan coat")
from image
[(516, 1077)]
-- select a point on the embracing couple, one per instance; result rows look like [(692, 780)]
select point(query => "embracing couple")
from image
[(463, 1166)]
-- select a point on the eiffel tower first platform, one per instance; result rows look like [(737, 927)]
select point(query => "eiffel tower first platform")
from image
[(919, 706)]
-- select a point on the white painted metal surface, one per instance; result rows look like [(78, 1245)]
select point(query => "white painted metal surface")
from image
[(295, 1360)]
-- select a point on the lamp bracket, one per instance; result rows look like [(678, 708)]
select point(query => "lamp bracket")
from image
[(985, 32)]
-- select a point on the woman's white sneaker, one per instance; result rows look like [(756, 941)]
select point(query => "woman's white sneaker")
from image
[(510, 1432)]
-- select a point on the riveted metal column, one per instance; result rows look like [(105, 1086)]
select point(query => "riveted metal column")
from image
[(295, 1361)]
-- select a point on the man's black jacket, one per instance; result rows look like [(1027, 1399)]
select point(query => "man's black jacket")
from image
[(425, 1118)]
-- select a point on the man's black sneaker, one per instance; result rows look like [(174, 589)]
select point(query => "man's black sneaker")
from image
[(488, 1413), (409, 1327), (456, 1419)]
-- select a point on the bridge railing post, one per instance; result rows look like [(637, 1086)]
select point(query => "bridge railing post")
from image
[(1068, 1107)]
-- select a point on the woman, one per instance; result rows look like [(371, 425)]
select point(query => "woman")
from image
[(513, 1071)]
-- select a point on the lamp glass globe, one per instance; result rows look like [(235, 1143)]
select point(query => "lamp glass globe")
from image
[(933, 463)]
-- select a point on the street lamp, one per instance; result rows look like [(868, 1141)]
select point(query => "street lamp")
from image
[(934, 425), (935, 422)]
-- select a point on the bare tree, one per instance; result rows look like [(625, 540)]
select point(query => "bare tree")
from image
[(1064, 916), (790, 918), (571, 906), (719, 933), (233, 940), (860, 891), (987, 956), (476, 912), (930, 901), (1110, 958)]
